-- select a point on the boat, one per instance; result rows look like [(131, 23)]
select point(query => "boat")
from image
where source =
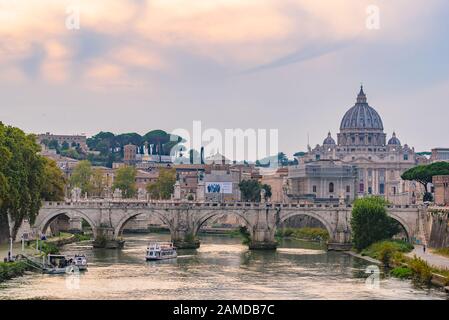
[(56, 264), (161, 251), (60, 264), (80, 261)]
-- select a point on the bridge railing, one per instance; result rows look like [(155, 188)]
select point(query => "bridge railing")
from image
[(134, 203)]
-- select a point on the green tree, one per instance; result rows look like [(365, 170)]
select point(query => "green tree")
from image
[(21, 178), (164, 186), (125, 180), (268, 192), (370, 222), (424, 173), (53, 144), (250, 190), (98, 182), (81, 177), (54, 182)]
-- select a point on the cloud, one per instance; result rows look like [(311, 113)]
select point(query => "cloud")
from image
[(139, 34)]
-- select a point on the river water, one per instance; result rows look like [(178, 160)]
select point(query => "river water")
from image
[(221, 268)]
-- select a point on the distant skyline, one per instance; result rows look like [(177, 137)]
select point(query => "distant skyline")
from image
[(292, 65)]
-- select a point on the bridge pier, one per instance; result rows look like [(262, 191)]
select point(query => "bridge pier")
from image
[(263, 228), (106, 238), (76, 225), (184, 239)]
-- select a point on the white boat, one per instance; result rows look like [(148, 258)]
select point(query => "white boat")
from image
[(80, 261), (161, 251)]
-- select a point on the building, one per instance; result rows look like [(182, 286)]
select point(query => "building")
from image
[(322, 181), (363, 143), (72, 140), (277, 181), (129, 154), (143, 178), (441, 190), (439, 154)]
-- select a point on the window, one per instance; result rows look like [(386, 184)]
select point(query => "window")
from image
[(381, 188), (331, 187), (314, 189), (370, 190), (405, 156), (394, 190), (317, 157), (361, 187), (348, 189)]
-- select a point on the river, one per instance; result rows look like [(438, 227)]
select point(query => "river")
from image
[(221, 268)]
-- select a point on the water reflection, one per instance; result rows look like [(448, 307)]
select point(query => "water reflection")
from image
[(222, 268)]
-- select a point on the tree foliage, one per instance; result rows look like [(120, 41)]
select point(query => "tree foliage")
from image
[(54, 182), (22, 175), (250, 190), (81, 177), (111, 146), (424, 173), (164, 186), (370, 222), (125, 180)]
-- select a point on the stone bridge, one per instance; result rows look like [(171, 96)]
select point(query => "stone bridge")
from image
[(107, 218)]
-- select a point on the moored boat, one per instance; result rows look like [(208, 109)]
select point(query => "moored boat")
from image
[(161, 251)]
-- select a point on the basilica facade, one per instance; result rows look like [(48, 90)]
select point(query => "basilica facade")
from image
[(378, 162)]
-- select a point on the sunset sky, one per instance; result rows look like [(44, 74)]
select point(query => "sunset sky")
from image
[(292, 65)]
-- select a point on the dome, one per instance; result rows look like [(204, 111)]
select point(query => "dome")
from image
[(394, 141), (329, 140), (361, 116)]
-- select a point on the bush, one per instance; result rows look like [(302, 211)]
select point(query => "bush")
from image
[(10, 270), (246, 236), (421, 270), (442, 251), (315, 234), (391, 249), (370, 222), (402, 272), (82, 237)]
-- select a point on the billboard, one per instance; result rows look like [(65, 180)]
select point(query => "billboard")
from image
[(219, 187)]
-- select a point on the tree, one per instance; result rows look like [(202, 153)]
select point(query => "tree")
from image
[(268, 192), (97, 182), (282, 159), (250, 190), (125, 180), (424, 173), (53, 144), (65, 145), (54, 182), (164, 186), (21, 178), (370, 222), (81, 177)]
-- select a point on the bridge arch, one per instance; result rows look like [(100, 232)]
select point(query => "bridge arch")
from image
[(312, 214), (126, 218), (215, 213), (404, 224), (49, 218)]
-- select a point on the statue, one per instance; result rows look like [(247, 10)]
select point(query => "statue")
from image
[(177, 191), (117, 194), (262, 195), (141, 194), (75, 194)]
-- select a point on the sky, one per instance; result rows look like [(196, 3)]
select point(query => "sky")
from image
[(291, 65)]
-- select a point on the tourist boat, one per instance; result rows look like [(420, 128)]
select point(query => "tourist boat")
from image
[(161, 251)]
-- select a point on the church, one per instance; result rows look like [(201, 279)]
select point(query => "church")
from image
[(361, 144)]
